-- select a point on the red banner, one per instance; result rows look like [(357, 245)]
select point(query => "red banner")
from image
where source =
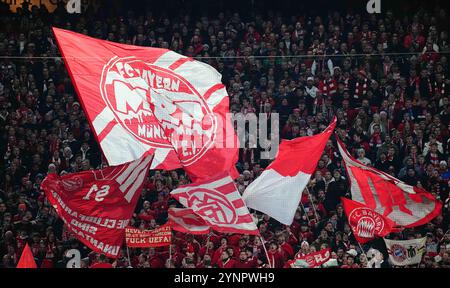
[(158, 237), (97, 205), (315, 259)]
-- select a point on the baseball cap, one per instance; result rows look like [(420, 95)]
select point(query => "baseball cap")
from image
[(352, 252)]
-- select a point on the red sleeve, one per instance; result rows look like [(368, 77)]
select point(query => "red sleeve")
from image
[(407, 41), (146, 216)]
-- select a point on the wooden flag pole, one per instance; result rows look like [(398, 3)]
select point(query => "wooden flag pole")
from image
[(207, 241), (367, 258), (265, 250), (313, 205), (304, 210), (448, 230), (128, 254)]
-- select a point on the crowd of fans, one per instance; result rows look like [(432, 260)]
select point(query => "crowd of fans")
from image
[(385, 76)]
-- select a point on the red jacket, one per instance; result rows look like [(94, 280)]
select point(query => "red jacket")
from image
[(230, 263), (276, 259), (252, 263)]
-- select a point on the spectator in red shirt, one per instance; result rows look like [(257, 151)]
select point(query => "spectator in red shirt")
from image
[(102, 262), (226, 261)]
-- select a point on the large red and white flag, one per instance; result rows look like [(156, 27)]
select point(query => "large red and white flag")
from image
[(142, 101), (277, 191), (184, 220), (218, 202), (406, 205), (97, 205), (366, 223)]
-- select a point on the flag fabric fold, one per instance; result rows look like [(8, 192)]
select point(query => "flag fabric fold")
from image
[(97, 205), (406, 205), (277, 191), (218, 202), (144, 100), (184, 220)]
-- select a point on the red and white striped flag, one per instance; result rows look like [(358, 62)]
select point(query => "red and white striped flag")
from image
[(218, 202), (406, 205), (184, 220)]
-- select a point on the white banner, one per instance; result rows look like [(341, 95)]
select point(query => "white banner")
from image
[(405, 252)]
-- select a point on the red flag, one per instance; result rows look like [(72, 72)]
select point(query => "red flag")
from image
[(27, 259), (277, 192), (366, 223), (406, 205), (218, 202), (142, 101), (97, 205), (184, 220), (161, 236)]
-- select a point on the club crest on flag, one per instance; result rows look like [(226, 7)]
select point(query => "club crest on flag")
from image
[(218, 202), (368, 222), (399, 253), (148, 101), (212, 204)]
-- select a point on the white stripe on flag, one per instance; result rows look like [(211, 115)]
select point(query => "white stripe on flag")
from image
[(216, 98), (120, 147), (212, 186), (168, 59), (134, 175), (242, 211), (200, 75), (130, 167), (102, 120), (159, 157), (136, 185)]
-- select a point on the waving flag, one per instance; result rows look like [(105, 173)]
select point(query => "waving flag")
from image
[(142, 101), (406, 252), (97, 205), (26, 259), (218, 202), (184, 220), (366, 223), (277, 191), (404, 204)]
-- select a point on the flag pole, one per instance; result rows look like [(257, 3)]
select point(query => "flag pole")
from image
[(363, 252), (265, 250), (207, 241), (312, 203), (128, 253), (304, 210), (448, 230)]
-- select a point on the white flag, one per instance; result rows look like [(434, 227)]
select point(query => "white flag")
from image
[(405, 252)]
